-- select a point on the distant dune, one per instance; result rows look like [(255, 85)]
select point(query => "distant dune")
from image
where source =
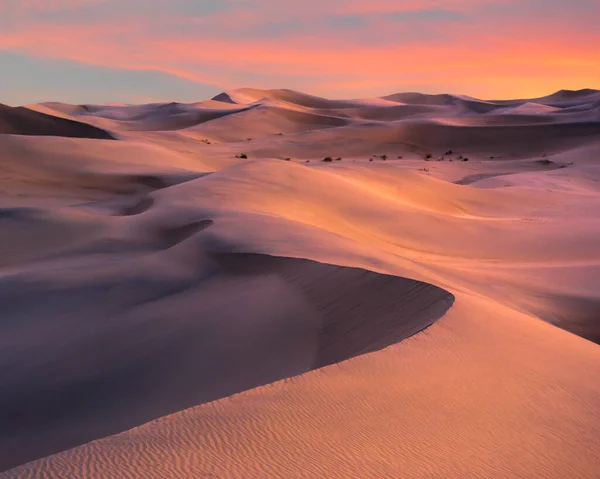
[(22, 121), (250, 95), (274, 284), (565, 98)]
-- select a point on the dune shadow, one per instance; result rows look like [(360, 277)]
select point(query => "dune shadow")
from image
[(23, 121), (170, 237), (138, 208), (83, 352), (361, 311)]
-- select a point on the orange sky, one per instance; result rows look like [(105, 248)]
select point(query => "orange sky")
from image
[(338, 48)]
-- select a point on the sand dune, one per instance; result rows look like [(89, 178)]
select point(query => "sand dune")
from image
[(170, 116), (460, 103), (567, 98), (22, 121), (530, 108), (414, 139), (386, 113), (264, 120), (286, 103), (408, 411), (422, 99), (236, 322), (346, 299), (165, 271), (55, 168), (151, 117), (250, 95)]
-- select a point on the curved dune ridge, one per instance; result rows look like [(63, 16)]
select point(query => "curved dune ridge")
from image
[(357, 202), (243, 321), (239, 256), (378, 415), (22, 121), (346, 299)]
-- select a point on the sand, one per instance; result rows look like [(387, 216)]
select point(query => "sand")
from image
[(400, 312), (24, 121)]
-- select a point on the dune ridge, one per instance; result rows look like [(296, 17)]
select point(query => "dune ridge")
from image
[(379, 414), (22, 121), (211, 262), (278, 107), (281, 317)]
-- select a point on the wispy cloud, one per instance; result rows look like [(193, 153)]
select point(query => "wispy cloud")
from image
[(338, 47)]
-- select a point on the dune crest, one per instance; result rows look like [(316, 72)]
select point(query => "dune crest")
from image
[(23, 121), (248, 273), (238, 322)]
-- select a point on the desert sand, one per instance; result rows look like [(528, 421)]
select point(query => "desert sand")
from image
[(189, 290)]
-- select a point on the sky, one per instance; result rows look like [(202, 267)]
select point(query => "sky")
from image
[(140, 51)]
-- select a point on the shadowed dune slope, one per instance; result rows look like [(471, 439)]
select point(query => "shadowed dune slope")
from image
[(488, 393), (140, 118), (568, 98), (362, 311), (461, 104), (162, 116), (239, 321), (506, 137), (185, 119), (23, 121)]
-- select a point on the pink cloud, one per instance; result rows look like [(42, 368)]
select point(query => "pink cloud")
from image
[(28, 6), (479, 58)]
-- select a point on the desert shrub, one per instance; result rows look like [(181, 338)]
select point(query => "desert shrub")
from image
[(384, 157), (327, 159), (449, 152), (339, 158), (242, 155), (427, 156), (465, 159), (370, 159), (287, 159)]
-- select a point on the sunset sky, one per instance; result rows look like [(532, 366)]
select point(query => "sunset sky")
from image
[(156, 50)]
